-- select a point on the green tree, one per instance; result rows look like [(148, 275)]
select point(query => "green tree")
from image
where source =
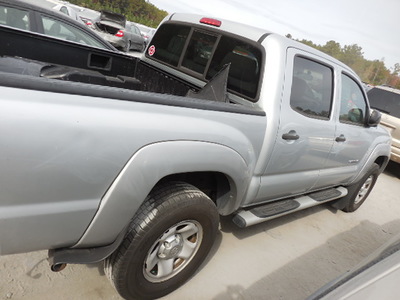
[(332, 48)]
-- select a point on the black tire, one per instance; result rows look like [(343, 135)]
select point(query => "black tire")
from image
[(359, 191), (168, 239)]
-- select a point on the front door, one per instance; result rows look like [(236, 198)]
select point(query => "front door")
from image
[(352, 139)]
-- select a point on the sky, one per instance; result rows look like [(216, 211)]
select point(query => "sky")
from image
[(373, 25)]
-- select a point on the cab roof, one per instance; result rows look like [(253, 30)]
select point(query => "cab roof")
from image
[(250, 32)]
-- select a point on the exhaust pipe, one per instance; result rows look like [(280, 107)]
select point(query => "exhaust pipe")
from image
[(58, 267)]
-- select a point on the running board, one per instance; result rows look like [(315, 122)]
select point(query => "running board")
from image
[(269, 211)]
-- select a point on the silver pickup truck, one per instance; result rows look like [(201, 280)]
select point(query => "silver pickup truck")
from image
[(132, 160)]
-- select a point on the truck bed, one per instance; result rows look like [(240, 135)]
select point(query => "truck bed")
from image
[(61, 60)]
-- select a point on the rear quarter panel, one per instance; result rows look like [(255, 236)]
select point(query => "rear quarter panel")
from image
[(61, 153)]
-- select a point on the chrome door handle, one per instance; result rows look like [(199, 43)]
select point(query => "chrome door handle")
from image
[(290, 136)]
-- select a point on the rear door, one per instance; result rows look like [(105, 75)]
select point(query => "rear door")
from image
[(306, 131)]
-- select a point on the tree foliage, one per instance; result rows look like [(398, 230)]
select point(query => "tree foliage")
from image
[(138, 11), (370, 71)]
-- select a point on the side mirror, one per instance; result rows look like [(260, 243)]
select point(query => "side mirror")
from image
[(374, 118)]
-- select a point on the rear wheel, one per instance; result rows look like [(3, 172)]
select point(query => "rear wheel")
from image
[(168, 239), (359, 192)]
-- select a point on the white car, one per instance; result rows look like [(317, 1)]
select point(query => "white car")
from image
[(68, 10)]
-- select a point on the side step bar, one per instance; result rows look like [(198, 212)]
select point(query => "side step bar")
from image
[(269, 211)]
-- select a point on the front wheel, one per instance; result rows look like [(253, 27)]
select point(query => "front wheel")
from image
[(168, 239), (359, 191)]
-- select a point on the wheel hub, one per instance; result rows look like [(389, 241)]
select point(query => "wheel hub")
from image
[(171, 247), (173, 251)]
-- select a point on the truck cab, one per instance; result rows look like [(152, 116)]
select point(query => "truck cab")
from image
[(318, 120)]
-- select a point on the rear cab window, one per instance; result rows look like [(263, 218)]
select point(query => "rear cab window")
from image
[(203, 53)]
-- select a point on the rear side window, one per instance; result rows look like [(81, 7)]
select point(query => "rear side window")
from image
[(311, 92), (14, 17), (385, 101), (203, 54)]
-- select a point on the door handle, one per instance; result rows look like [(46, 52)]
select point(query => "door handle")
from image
[(340, 138), (290, 136)]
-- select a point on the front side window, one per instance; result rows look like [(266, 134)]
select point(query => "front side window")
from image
[(312, 85), (352, 105), (14, 17), (57, 29)]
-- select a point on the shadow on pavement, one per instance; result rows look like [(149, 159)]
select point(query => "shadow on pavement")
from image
[(302, 276), (393, 169)]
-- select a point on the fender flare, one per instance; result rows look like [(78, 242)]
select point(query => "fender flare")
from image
[(147, 167), (381, 150)]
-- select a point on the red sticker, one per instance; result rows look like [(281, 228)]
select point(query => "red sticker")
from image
[(152, 50)]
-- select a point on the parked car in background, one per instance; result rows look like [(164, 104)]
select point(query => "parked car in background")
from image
[(25, 16), (68, 10), (138, 40), (147, 32), (114, 28), (88, 16), (387, 101)]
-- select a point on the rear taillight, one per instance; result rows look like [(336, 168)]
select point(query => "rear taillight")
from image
[(120, 33), (88, 23), (212, 22)]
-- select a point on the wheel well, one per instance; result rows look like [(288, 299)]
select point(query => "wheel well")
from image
[(217, 186), (382, 161)]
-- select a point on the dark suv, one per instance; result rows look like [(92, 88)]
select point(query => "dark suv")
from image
[(387, 101)]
